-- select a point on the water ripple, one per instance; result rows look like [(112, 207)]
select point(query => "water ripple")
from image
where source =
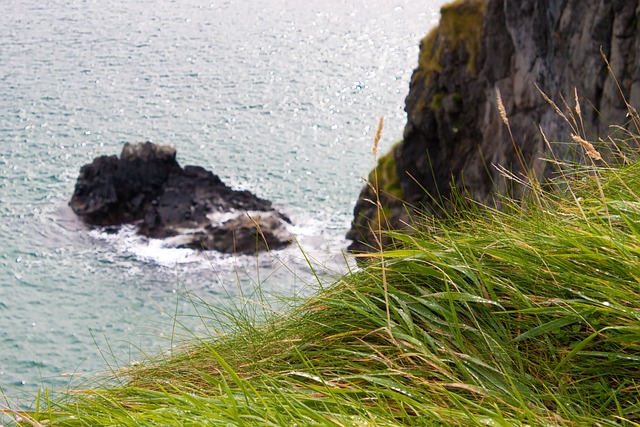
[(277, 97)]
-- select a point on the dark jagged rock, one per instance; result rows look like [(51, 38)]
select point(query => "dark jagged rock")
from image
[(113, 190), (189, 207), (244, 233), (454, 137)]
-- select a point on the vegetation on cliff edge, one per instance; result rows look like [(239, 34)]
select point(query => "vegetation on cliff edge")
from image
[(460, 29), (526, 316)]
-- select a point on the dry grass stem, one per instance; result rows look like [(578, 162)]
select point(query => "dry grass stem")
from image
[(503, 111), (630, 108), (376, 140), (505, 120), (578, 109), (574, 122), (589, 148), (553, 104), (378, 234)]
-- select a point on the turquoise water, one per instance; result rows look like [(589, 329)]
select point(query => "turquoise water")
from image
[(279, 97)]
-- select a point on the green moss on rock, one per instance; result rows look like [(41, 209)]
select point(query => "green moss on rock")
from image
[(436, 101), (460, 28), (385, 175)]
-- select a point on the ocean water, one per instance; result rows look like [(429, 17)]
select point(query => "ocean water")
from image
[(279, 97)]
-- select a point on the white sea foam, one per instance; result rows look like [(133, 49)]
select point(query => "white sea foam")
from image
[(314, 243)]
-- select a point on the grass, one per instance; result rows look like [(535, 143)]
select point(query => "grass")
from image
[(525, 316)]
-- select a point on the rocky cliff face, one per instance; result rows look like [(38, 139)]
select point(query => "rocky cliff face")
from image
[(454, 136)]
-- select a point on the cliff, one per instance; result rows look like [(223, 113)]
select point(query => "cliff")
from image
[(455, 137)]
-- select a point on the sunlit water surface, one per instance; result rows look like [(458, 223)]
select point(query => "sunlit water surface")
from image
[(279, 97)]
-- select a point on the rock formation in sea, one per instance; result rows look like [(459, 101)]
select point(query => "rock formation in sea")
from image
[(455, 140), (188, 207)]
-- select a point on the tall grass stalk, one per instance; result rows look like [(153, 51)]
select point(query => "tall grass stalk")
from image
[(375, 186)]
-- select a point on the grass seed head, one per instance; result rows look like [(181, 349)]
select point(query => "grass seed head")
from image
[(503, 111), (376, 140), (589, 148)]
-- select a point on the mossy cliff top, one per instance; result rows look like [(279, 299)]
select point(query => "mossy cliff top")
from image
[(460, 31), (384, 177)]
